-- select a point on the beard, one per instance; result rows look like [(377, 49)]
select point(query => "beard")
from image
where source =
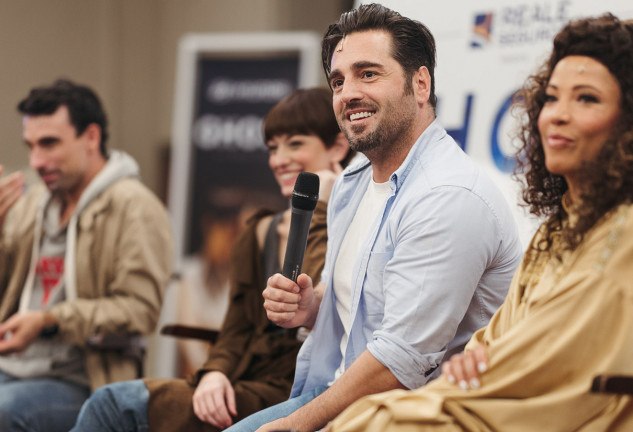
[(369, 141), (387, 133)]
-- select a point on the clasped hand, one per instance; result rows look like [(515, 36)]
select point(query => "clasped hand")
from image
[(17, 333)]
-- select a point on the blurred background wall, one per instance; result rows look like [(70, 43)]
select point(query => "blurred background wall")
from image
[(126, 51)]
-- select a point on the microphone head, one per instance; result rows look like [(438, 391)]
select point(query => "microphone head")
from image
[(306, 192)]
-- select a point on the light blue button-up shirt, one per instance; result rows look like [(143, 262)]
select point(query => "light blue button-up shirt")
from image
[(435, 266)]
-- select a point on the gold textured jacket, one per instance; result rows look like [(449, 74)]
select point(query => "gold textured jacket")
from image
[(562, 323)]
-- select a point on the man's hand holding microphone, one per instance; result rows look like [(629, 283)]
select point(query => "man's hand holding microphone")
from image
[(290, 299)]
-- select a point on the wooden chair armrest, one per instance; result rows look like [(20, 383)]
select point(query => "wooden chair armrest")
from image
[(108, 341), (619, 384), (184, 331), (132, 346)]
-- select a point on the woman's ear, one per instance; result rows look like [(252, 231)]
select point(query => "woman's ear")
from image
[(339, 149)]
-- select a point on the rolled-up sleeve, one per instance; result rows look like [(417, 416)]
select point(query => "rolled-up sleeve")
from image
[(440, 246)]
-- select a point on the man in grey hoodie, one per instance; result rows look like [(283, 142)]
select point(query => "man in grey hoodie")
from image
[(88, 252)]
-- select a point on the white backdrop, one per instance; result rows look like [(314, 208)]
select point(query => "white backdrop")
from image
[(487, 65)]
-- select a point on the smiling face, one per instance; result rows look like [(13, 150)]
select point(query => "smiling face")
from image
[(375, 105), (581, 109), (289, 155)]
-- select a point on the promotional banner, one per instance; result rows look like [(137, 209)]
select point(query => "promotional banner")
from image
[(226, 83), (485, 52), (229, 167)]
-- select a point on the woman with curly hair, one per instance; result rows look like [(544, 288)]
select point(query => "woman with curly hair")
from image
[(569, 313)]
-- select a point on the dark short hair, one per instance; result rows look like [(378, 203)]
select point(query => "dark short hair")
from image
[(413, 44), (84, 106), (305, 112)]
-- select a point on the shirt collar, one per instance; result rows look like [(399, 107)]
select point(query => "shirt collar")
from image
[(425, 142)]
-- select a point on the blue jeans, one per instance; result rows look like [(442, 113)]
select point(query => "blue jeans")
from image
[(284, 409), (45, 404), (118, 407)]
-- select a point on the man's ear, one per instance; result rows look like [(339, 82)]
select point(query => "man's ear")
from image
[(422, 85), (92, 135), (340, 148)]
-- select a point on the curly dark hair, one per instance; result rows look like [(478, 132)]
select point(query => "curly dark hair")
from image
[(413, 44), (609, 178)]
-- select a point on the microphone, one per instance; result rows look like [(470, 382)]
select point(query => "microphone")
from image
[(304, 199)]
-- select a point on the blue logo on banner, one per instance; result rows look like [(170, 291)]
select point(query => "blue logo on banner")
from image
[(460, 134), (482, 30), (502, 161)]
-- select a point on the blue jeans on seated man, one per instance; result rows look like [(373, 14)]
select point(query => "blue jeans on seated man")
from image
[(120, 406), (284, 409), (43, 404)]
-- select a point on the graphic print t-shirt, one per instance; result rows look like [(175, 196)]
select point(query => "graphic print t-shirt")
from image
[(48, 357)]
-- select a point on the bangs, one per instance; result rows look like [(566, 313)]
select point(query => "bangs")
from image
[(304, 112), (286, 120)]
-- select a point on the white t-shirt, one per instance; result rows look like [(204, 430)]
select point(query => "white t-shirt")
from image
[(368, 211)]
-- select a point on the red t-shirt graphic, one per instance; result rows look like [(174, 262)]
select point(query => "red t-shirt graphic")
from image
[(50, 271)]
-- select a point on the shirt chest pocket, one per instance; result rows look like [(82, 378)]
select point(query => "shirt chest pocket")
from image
[(373, 298)]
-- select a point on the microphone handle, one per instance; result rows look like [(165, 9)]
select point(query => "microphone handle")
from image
[(297, 240)]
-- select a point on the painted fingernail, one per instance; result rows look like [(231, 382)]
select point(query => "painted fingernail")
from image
[(482, 367), (451, 379), (474, 383), (463, 385)]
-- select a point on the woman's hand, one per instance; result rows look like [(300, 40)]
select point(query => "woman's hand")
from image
[(466, 368), (214, 400)]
